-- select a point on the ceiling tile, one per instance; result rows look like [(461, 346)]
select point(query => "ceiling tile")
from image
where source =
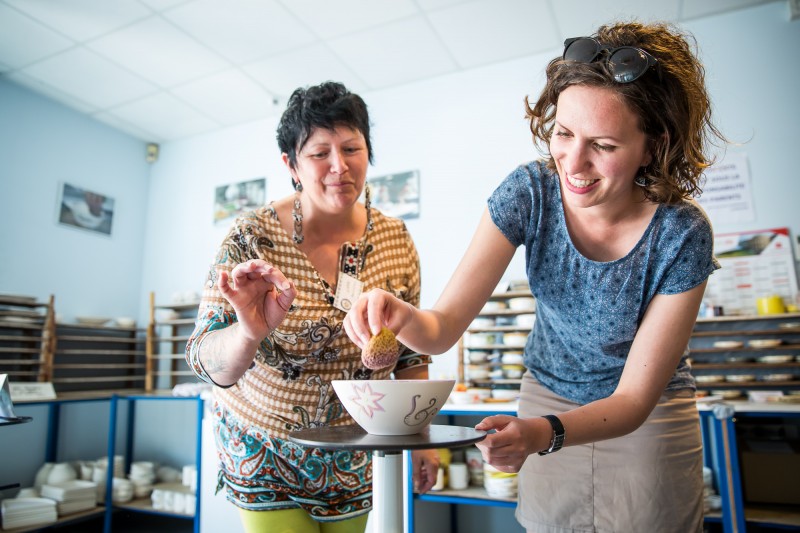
[(583, 17), (51, 92), (159, 52), (229, 97), (377, 58), (283, 73), (39, 41), (165, 114), (241, 30), (130, 129), (700, 8), (462, 29), (82, 19), (84, 75), (333, 19), (429, 5)]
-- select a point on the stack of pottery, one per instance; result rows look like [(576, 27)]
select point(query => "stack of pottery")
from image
[(27, 512), (71, 496), (143, 475)]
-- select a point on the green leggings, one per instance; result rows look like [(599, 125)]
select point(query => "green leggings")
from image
[(297, 521)]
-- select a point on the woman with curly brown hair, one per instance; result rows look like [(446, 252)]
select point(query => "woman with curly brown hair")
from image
[(618, 256)]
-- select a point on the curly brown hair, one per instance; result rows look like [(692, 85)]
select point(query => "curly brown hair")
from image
[(671, 101)]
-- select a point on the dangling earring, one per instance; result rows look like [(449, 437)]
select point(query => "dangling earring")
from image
[(297, 215), (641, 178), (368, 206)]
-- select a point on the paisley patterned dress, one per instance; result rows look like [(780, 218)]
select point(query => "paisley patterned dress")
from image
[(288, 385)]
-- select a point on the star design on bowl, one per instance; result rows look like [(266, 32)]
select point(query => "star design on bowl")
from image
[(367, 399)]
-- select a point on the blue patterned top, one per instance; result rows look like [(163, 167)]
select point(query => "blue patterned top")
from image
[(588, 312)]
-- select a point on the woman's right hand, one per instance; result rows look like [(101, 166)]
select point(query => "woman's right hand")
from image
[(373, 310), (260, 294)]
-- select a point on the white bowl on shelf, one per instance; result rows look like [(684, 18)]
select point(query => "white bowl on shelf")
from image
[(481, 340), (524, 303), (526, 320), (515, 339), (125, 322), (482, 322), (494, 305)]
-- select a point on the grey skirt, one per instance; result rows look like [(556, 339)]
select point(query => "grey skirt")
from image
[(649, 480)]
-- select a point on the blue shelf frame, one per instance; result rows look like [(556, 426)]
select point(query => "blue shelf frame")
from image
[(130, 422)]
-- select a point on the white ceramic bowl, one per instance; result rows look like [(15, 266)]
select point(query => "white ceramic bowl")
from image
[(522, 304), (125, 322), (477, 372), (515, 339), (393, 407), (505, 394), (526, 320)]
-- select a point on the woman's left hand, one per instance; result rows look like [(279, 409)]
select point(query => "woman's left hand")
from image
[(510, 445), (425, 465)]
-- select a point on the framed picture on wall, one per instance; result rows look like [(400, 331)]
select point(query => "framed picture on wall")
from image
[(85, 209), (396, 195), (234, 199)]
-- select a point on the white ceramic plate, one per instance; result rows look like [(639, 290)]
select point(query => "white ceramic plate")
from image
[(764, 343), (740, 378), (709, 379), (91, 320), (728, 344), (777, 377), (775, 359)]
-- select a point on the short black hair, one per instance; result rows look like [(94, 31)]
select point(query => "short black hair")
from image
[(327, 105)]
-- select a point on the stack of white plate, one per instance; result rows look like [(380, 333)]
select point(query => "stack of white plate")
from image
[(25, 512), (71, 496)]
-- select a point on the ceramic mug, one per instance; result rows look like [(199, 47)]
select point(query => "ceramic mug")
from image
[(770, 305)]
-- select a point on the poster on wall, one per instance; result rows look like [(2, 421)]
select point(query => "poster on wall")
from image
[(396, 195), (236, 198), (755, 264), (727, 196), (85, 209)]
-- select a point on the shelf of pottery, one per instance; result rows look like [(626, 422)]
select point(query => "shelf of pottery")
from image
[(169, 329), (27, 337), (748, 356), (490, 362)]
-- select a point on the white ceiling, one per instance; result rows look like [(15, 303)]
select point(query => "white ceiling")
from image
[(162, 70)]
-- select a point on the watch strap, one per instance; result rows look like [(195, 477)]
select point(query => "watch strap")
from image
[(557, 440)]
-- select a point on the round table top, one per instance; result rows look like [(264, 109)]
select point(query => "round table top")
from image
[(11, 420), (355, 438)]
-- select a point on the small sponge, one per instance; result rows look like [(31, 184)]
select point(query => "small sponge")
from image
[(381, 350)]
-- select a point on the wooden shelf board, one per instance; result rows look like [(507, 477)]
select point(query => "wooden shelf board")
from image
[(77, 351), (22, 362), (730, 365), (767, 514), (20, 350), (20, 338), (173, 373), (96, 338), (169, 356), (146, 505)]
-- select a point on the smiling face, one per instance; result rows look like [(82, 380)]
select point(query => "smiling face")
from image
[(597, 147), (332, 167)]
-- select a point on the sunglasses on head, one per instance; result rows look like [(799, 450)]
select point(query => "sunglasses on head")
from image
[(626, 63)]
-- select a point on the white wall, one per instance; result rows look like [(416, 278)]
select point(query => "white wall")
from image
[(43, 144), (464, 133)]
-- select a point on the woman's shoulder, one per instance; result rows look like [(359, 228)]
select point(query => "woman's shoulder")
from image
[(686, 213)]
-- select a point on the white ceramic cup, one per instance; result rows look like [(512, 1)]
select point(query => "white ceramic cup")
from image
[(458, 476)]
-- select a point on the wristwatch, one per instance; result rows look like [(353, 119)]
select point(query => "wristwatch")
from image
[(558, 434)]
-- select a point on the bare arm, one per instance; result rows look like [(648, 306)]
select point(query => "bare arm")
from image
[(436, 330), (260, 295), (654, 355)]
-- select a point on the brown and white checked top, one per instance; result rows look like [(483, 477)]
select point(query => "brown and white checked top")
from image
[(288, 385)]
